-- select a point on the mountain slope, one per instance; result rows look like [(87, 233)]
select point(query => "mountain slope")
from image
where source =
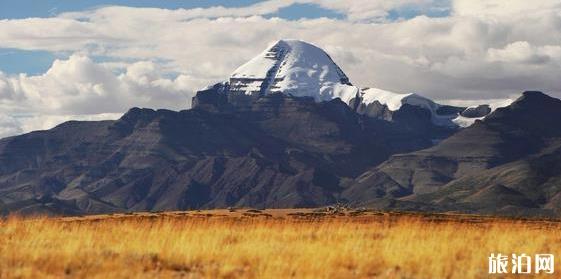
[(280, 151), (506, 163)]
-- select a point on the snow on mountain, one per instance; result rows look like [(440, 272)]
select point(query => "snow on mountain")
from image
[(296, 68), (460, 116), (301, 69), (464, 122), (394, 101)]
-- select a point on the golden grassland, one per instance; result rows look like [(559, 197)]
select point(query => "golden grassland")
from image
[(266, 244)]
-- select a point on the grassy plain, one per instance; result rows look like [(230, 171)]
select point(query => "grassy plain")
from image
[(266, 244)]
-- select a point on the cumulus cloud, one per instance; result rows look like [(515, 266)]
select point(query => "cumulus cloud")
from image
[(485, 49), (524, 52), (78, 88)]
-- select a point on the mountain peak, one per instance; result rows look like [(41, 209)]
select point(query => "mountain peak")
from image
[(533, 93), (537, 95), (535, 99), (300, 69), (288, 44), (534, 112), (293, 67)]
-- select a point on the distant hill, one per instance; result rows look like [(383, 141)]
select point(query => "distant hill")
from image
[(508, 163)]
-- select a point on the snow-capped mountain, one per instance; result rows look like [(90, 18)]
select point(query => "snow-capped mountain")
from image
[(289, 130), (300, 69), (296, 68)]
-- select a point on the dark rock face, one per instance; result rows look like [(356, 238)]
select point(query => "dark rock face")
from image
[(410, 116), (509, 163), (475, 112), (214, 98), (272, 151), (448, 110)]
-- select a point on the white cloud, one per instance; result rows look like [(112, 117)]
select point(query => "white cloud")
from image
[(78, 88), (504, 8), (9, 126), (484, 50), (356, 10), (523, 52)]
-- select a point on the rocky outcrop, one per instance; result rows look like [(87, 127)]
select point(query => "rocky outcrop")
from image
[(476, 112)]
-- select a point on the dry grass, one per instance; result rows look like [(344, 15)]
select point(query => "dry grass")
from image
[(267, 244)]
